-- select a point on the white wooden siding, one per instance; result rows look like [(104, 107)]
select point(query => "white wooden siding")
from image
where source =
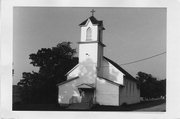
[(127, 95), (106, 93), (66, 91), (110, 72)]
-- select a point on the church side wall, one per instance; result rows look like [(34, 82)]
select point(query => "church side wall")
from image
[(66, 91), (130, 93), (106, 93), (69, 89), (110, 72)]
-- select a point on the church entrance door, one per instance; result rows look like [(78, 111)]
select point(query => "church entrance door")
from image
[(87, 95)]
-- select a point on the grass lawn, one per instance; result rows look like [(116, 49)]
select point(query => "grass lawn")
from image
[(133, 107), (155, 105), (161, 107)]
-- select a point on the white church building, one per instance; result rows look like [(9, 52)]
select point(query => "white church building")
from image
[(96, 79)]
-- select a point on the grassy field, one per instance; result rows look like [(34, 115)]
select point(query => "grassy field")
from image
[(133, 107), (155, 105), (161, 107)]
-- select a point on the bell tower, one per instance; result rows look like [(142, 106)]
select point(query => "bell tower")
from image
[(90, 45)]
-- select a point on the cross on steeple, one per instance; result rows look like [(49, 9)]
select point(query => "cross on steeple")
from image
[(92, 11)]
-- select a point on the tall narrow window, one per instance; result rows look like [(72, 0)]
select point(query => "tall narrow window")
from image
[(130, 88), (133, 88), (88, 34), (127, 88)]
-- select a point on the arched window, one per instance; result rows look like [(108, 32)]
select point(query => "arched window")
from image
[(88, 34)]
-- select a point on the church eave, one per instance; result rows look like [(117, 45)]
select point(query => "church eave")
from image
[(83, 23), (69, 80), (112, 82), (71, 69)]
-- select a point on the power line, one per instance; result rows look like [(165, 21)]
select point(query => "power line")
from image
[(144, 59), (138, 60)]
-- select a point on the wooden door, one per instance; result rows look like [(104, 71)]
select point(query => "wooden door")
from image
[(87, 95)]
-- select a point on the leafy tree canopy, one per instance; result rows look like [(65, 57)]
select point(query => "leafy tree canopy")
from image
[(53, 63), (150, 87)]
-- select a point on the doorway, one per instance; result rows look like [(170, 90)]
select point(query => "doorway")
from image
[(87, 95)]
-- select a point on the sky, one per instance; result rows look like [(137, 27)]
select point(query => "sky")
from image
[(131, 34)]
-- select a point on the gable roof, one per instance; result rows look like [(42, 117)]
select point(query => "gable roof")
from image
[(67, 81), (94, 21), (72, 69), (121, 69), (112, 82)]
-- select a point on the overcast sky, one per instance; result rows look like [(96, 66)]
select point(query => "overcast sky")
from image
[(131, 34)]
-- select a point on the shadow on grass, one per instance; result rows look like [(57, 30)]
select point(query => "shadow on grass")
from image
[(56, 107)]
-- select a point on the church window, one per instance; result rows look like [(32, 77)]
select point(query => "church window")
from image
[(130, 87), (127, 87), (89, 34), (133, 88)]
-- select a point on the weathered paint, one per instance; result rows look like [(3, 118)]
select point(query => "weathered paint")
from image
[(106, 93), (130, 93), (88, 52), (68, 90), (110, 72)]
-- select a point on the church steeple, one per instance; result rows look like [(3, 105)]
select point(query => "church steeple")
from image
[(91, 28), (91, 45)]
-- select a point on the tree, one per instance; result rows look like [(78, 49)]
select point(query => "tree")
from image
[(53, 63), (150, 87)]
